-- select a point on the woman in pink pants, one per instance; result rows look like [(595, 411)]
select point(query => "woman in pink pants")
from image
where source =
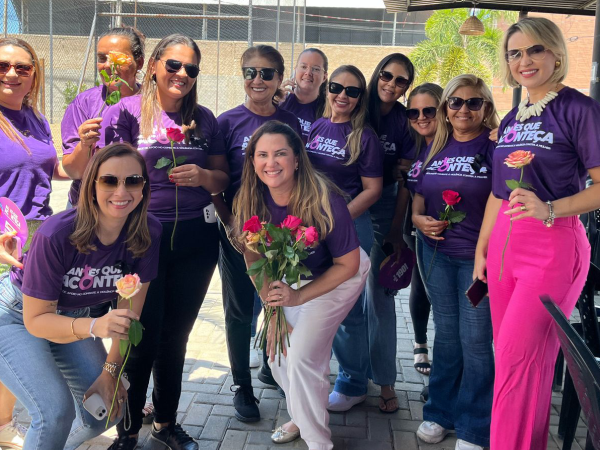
[(545, 251)]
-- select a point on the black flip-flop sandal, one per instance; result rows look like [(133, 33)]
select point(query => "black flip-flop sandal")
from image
[(385, 402), (421, 365)]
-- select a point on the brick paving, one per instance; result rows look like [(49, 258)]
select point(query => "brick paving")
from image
[(206, 410)]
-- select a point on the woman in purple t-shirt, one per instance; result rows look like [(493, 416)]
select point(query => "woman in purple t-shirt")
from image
[(547, 251), (82, 130), (76, 257), (276, 166), (262, 69), (457, 172), (309, 89)]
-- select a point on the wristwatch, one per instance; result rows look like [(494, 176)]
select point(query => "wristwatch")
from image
[(112, 368)]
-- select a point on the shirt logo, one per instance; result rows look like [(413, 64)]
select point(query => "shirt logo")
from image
[(526, 133), (85, 278), (388, 147), (460, 165), (326, 147)]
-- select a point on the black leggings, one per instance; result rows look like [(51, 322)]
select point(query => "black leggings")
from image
[(418, 302), (170, 311)]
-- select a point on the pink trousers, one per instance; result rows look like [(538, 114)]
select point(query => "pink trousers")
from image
[(538, 260)]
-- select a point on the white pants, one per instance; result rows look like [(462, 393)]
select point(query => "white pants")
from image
[(303, 375)]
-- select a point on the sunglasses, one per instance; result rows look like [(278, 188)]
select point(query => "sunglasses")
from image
[(386, 76), (474, 104), (174, 66), (23, 70), (428, 113), (266, 73), (110, 183), (351, 91), (535, 52)]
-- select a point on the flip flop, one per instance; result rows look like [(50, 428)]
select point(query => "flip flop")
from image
[(385, 402), (422, 365)]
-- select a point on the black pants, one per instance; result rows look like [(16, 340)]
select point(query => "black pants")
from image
[(170, 311), (418, 302), (238, 304)]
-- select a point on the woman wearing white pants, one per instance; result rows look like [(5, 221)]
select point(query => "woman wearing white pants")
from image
[(278, 180)]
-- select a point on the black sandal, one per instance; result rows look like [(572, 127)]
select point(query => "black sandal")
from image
[(385, 402), (422, 365)]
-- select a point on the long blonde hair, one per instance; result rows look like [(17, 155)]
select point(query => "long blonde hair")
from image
[(359, 118), (310, 196), (444, 129), (31, 99)]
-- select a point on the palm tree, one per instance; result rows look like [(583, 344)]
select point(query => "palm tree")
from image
[(445, 53)]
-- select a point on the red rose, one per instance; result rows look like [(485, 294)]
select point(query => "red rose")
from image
[(451, 197), (292, 223), (311, 236), (252, 225), (175, 134)]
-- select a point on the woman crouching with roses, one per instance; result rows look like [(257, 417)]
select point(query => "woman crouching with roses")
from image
[(278, 180), (448, 209)]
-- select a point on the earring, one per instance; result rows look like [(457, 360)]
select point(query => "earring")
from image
[(557, 64), (447, 119), (139, 76)]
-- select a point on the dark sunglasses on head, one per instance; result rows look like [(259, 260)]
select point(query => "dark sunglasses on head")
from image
[(474, 104), (351, 91), (110, 183), (386, 76), (174, 66), (428, 113), (536, 52), (266, 73), (21, 69)]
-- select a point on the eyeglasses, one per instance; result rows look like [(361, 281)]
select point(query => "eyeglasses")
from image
[(386, 76), (351, 91), (266, 73), (474, 104), (428, 113), (23, 70), (174, 66), (110, 183), (536, 52), (315, 70)]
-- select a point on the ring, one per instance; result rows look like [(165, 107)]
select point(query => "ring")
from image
[(86, 133), (523, 208), (433, 233), (190, 180), (121, 401)]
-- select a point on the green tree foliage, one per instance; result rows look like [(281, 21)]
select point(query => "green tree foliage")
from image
[(445, 53)]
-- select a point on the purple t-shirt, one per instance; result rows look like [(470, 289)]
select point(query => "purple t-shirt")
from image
[(191, 200), (306, 113), (451, 169), (55, 270), (328, 153), (416, 169), (85, 106), (565, 140), (26, 178), (340, 241), (237, 126), (396, 140)]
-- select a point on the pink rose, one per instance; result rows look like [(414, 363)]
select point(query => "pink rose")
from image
[(252, 225), (175, 134), (129, 285), (451, 197), (518, 159), (292, 223), (311, 236)]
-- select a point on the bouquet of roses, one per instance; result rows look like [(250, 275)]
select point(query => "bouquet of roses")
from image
[(284, 247)]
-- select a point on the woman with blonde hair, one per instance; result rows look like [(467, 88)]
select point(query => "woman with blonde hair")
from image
[(456, 176), (547, 251), (278, 180)]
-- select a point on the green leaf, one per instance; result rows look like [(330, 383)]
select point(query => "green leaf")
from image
[(271, 254), (527, 186), (276, 233), (123, 345), (292, 273), (512, 184), (302, 255), (304, 270), (256, 267), (163, 162), (258, 281), (180, 160), (113, 98), (124, 82), (135, 332), (457, 216), (289, 252), (105, 76)]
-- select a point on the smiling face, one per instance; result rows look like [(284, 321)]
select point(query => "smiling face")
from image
[(342, 105), (258, 90), (464, 120), (387, 90), (117, 44), (425, 127), (174, 86), (275, 163), (532, 74), (13, 87), (310, 72), (118, 204)]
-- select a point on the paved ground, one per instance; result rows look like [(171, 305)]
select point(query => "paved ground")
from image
[(206, 411)]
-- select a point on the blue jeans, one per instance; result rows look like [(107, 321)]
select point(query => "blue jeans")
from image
[(351, 345), (49, 379), (462, 375)]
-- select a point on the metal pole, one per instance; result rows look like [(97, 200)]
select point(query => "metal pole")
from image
[(304, 27), (119, 10), (5, 18), (135, 12), (204, 24), (87, 54), (595, 82), (518, 91), (293, 36), (22, 17), (218, 56), (51, 64), (95, 42), (394, 32), (277, 27), (250, 40)]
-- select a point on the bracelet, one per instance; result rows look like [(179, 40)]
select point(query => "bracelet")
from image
[(73, 330), (92, 326), (112, 368), (551, 216)]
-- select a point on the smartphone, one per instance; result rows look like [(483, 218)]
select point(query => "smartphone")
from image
[(477, 292), (95, 405)]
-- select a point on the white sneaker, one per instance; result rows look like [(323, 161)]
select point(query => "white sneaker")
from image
[(13, 435), (432, 433), (254, 358), (464, 445), (340, 402)]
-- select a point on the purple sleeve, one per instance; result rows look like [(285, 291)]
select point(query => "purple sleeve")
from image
[(586, 136), (343, 238), (147, 266), (126, 127), (370, 161), (44, 268), (74, 116)]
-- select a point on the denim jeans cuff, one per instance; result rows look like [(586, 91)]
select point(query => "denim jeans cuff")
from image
[(351, 390), (476, 439)]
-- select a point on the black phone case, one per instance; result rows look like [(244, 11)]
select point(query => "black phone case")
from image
[(476, 292)]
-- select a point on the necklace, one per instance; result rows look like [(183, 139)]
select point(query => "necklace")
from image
[(524, 112)]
